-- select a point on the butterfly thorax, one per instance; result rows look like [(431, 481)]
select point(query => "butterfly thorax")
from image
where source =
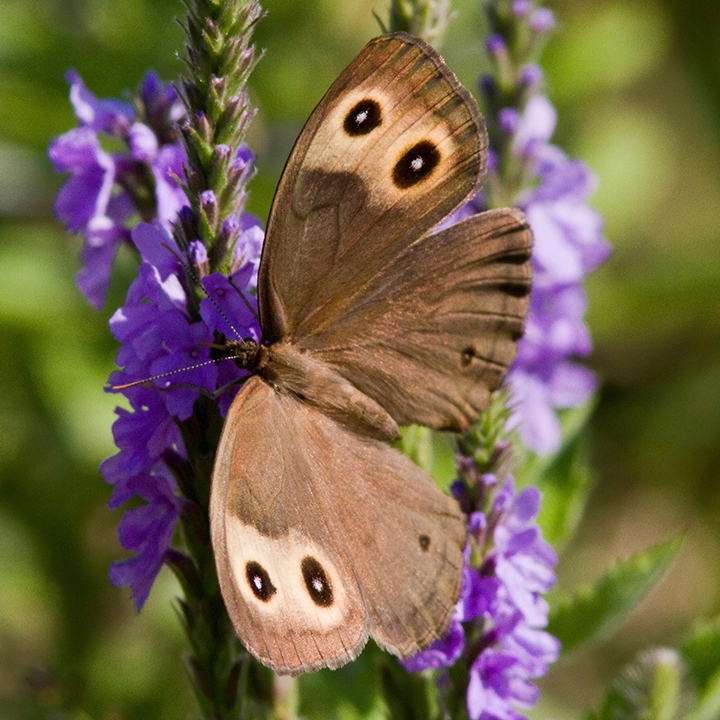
[(286, 368)]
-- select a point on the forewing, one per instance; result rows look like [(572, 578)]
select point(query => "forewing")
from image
[(392, 148), (433, 334), (322, 537)]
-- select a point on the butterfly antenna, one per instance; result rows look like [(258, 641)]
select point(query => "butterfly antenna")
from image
[(165, 374), (192, 274)]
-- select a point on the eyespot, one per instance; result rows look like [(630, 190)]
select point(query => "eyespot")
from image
[(259, 581), (466, 357), (416, 164), (317, 582), (424, 541), (364, 117)]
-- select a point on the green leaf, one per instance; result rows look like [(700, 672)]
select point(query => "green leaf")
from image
[(417, 444), (594, 611), (702, 651)]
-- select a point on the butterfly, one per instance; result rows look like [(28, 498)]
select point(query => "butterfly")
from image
[(323, 533)]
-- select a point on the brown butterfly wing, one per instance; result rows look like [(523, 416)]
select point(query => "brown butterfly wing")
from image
[(432, 335), (392, 148), (294, 491)]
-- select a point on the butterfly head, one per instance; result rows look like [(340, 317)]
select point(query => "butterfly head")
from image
[(247, 354)]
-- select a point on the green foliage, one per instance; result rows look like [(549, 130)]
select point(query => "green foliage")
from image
[(591, 613), (434, 452)]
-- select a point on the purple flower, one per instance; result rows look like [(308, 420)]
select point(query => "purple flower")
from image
[(142, 436), (147, 531), (509, 119), (108, 116), (497, 683), (444, 652), (523, 560), (105, 189), (535, 127)]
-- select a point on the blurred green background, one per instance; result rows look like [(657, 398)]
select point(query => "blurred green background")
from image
[(637, 86)]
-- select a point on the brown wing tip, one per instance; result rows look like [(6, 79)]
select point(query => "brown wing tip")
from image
[(455, 84)]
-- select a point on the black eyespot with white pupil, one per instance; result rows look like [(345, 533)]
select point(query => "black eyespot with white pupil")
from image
[(416, 164), (364, 117), (424, 541), (259, 581), (317, 582)]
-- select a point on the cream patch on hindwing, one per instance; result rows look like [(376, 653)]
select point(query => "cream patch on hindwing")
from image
[(284, 576)]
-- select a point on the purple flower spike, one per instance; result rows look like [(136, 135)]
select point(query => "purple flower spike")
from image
[(504, 596), (127, 166)]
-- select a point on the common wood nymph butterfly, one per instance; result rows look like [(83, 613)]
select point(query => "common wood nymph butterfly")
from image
[(323, 533)]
